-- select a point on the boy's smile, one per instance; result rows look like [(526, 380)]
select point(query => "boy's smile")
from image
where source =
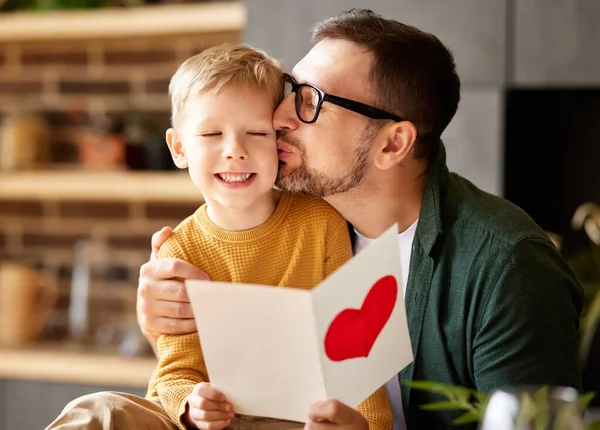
[(235, 180)]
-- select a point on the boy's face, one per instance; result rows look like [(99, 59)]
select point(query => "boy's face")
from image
[(227, 142)]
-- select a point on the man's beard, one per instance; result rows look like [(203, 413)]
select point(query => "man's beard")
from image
[(304, 179)]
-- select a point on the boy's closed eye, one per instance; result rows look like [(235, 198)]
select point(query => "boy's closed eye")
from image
[(218, 133)]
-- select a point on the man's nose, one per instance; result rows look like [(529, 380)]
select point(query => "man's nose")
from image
[(285, 117)]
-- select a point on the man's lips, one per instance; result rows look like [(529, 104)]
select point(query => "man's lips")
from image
[(283, 147), (284, 151)]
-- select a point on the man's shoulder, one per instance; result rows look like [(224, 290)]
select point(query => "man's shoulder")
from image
[(470, 211), (485, 236)]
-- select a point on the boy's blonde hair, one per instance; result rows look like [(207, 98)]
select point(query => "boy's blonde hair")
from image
[(230, 63)]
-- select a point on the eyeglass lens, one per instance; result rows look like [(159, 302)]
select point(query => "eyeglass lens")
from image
[(307, 101)]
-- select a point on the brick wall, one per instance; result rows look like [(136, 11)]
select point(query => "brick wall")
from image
[(91, 78), (72, 82), (47, 234)]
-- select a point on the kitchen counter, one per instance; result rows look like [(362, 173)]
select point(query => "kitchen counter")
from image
[(75, 364)]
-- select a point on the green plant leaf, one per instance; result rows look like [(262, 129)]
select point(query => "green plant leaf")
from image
[(541, 395), (585, 399), (433, 387), (542, 408), (443, 406), (452, 392), (565, 416), (482, 398), (589, 325), (594, 425), (534, 410), (527, 411), (467, 418)]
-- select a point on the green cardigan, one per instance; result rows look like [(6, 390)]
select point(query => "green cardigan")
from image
[(490, 302)]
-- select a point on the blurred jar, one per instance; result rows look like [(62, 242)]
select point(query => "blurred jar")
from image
[(27, 298), (24, 142), (102, 145)]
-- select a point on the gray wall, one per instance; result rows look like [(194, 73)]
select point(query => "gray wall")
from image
[(33, 405), (557, 42), (496, 43)]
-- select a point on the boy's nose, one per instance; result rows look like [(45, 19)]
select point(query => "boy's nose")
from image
[(235, 156), (235, 151)]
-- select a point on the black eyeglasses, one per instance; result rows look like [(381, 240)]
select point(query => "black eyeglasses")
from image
[(309, 100)]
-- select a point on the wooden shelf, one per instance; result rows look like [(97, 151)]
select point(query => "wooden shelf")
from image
[(62, 364), (160, 20), (87, 185)]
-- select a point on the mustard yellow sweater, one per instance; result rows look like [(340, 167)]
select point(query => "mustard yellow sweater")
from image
[(302, 242)]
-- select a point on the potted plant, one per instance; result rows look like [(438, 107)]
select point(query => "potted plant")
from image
[(535, 408), (586, 265)]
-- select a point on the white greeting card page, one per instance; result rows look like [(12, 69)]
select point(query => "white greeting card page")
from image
[(275, 351), (361, 322)]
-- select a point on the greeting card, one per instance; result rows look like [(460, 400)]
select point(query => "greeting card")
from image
[(274, 351)]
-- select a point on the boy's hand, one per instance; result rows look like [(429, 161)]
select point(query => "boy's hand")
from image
[(208, 408), (334, 415)]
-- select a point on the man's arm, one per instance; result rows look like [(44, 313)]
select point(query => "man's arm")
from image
[(528, 332), (162, 303)]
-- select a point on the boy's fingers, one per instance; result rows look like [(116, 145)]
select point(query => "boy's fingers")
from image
[(209, 405), (207, 391), (199, 415)]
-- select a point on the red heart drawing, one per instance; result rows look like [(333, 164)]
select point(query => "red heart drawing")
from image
[(353, 332)]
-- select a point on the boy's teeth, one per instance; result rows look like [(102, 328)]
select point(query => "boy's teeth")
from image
[(227, 177)]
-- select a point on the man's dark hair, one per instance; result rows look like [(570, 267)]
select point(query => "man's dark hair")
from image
[(413, 73)]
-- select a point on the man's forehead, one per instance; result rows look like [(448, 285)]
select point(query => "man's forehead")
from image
[(335, 66)]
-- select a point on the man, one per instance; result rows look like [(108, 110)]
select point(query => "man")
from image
[(489, 300)]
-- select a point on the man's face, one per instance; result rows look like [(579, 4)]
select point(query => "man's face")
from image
[(330, 156)]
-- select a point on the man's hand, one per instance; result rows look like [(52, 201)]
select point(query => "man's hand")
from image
[(162, 303), (208, 408), (333, 415)]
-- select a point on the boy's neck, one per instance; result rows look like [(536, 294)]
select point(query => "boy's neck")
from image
[(234, 219)]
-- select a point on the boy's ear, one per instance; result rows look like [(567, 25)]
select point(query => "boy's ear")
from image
[(395, 144), (176, 148)]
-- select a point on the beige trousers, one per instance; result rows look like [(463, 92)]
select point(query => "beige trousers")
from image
[(122, 411)]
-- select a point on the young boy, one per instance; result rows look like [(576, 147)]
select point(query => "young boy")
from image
[(247, 231)]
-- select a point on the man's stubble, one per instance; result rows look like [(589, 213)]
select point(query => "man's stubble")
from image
[(307, 180)]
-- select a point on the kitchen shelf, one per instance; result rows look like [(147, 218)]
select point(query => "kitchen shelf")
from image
[(60, 363), (94, 186), (159, 20)]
